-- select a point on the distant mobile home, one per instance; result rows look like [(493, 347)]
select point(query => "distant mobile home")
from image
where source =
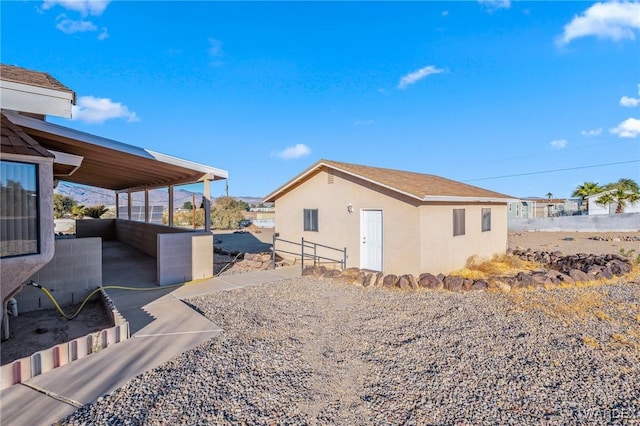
[(392, 221)]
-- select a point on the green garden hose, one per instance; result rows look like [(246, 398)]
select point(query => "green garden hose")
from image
[(112, 287)]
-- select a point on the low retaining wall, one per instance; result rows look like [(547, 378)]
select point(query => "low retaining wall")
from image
[(558, 269), (144, 236), (103, 228), (184, 257), (73, 273), (46, 360), (623, 222)]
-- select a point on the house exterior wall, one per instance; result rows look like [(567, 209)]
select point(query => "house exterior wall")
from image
[(338, 228), (16, 270), (441, 252), (597, 209)]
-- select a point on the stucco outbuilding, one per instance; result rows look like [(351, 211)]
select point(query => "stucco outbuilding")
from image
[(393, 221)]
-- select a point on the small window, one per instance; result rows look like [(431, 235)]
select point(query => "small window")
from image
[(311, 220), (458, 222), (19, 213), (486, 220)]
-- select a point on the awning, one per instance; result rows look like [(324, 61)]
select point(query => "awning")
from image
[(114, 165)]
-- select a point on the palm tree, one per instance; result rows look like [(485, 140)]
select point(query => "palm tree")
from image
[(549, 196), (585, 190), (623, 192)]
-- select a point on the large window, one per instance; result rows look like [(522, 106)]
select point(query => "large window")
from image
[(458, 222), (19, 230), (486, 220), (311, 220)]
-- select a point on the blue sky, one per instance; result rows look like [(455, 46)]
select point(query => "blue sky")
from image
[(471, 91)]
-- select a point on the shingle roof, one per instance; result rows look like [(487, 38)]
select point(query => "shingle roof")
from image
[(15, 141), (417, 185), (31, 78)]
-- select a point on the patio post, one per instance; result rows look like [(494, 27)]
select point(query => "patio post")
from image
[(206, 201), (117, 205), (170, 222), (129, 202), (146, 206)]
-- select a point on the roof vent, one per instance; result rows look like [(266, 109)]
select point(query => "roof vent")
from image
[(330, 177)]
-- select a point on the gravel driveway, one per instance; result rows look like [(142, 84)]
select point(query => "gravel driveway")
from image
[(308, 351)]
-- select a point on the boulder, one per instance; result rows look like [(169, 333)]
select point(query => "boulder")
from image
[(413, 283), (430, 281), (479, 285), (359, 278), (403, 283), (467, 285), (453, 283), (618, 267), (319, 271), (331, 273), (578, 275), (350, 272), (368, 280), (525, 280), (377, 280), (501, 286), (308, 270), (389, 280)]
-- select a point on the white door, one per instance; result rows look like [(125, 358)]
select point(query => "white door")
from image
[(371, 240)]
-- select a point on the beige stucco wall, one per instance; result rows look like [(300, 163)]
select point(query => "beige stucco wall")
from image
[(15, 270), (441, 252), (338, 228), (416, 238)]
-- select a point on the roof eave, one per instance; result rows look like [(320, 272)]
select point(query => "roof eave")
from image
[(34, 99), (458, 199)]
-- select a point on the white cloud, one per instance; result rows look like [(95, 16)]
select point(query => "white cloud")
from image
[(94, 110), (104, 34), (69, 26), (84, 7), (418, 75), (593, 132), (296, 151), (558, 144), (629, 102), (444, 13), (629, 128), (612, 20), (495, 4), (215, 47)]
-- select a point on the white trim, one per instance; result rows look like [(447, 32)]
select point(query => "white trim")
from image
[(449, 198), (68, 160), (35, 99), (362, 256)]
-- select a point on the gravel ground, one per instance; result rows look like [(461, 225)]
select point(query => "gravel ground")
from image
[(310, 351)]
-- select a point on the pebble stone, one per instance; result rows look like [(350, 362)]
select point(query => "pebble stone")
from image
[(312, 351)]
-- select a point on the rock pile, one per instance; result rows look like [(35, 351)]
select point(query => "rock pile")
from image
[(557, 269), (257, 261)]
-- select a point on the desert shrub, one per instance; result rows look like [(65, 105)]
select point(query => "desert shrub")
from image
[(95, 211)]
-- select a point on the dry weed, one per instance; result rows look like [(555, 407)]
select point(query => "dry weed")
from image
[(499, 265)]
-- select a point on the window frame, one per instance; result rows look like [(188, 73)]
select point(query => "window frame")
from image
[(310, 220), (486, 223), (459, 222), (36, 177)]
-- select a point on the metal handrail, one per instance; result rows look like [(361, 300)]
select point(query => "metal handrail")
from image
[(309, 245)]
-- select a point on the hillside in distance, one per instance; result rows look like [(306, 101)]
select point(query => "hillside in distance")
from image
[(91, 196)]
